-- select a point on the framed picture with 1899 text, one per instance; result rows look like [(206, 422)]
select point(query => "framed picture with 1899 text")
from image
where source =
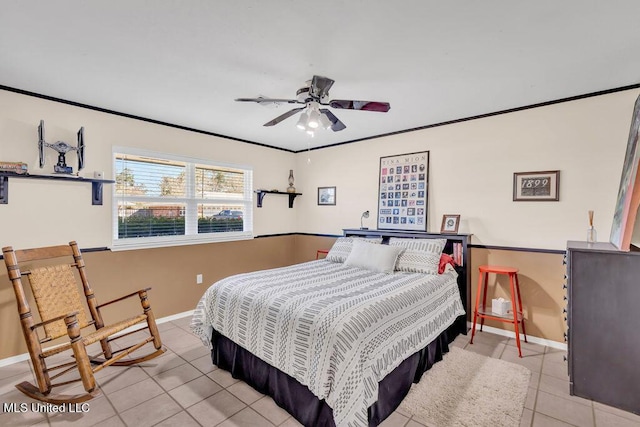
[(403, 190), (536, 186)]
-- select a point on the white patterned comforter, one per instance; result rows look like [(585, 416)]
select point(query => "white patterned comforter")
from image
[(338, 330)]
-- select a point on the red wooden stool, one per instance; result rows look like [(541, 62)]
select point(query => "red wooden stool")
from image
[(321, 251), (484, 312)]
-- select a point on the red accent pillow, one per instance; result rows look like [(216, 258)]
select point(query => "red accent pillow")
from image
[(444, 260)]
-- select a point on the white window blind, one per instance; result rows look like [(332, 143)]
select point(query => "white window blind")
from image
[(166, 200)]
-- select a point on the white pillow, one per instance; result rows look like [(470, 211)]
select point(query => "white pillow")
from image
[(378, 258), (419, 255), (342, 247)]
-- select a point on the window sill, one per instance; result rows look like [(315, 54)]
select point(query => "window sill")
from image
[(160, 242)]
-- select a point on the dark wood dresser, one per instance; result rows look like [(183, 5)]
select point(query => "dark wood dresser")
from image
[(603, 318)]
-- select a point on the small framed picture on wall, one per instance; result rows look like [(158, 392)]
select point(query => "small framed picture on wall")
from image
[(326, 196), (450, 224)]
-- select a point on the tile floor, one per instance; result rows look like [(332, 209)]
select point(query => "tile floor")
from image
[(183, 388)]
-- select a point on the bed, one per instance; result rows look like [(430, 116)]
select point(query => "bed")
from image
[(337, 341)]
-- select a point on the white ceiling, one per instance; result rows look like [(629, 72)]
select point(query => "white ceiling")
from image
[(184, 62)]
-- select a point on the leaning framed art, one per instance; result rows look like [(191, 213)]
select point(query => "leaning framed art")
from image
[(403, 191), (624, 217)]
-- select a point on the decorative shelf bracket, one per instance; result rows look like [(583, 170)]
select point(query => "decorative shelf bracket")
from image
[(96, 193), (4, 190), (262, 193), (96, 185)]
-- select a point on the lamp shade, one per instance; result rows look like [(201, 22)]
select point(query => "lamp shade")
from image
[(314, 118), (324, 121), (302, 121)]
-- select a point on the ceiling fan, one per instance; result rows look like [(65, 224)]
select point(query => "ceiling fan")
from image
[(314, 96)]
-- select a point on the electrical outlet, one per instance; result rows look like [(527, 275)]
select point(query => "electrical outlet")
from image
[(199, 279)]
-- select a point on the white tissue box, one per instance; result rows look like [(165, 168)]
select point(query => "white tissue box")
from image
[(500, 306)]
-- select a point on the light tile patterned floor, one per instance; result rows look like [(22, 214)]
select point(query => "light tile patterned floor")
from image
[(183, 388)]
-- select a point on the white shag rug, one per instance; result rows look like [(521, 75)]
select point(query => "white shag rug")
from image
[(470, 390)]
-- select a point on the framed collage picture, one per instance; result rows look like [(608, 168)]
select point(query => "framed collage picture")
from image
[(403, 189)]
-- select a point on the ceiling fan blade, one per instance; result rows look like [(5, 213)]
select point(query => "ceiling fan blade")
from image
[(381, 107), (320, 86), (283, 116), (267, 100), (336, 124)]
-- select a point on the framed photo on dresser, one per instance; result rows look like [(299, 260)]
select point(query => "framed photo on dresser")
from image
[(450, 223), (403, 192)]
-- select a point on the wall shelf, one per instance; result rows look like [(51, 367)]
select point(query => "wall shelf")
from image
[(96, 185), (262, 193)]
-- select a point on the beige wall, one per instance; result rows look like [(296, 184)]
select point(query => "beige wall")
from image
[(471, 169), (45, 212), (541, 276), (471, 173), (306, 247), (170, 272)]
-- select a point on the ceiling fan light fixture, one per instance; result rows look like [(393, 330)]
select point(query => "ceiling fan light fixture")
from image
[(325, 122), (314, 115), (314, 95), (302, 121), (302, 94), (314, 123)]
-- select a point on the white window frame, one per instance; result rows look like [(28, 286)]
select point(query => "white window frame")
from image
[(191, 235)]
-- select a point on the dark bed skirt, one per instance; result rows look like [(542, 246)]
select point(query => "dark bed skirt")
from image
[(298, 400)]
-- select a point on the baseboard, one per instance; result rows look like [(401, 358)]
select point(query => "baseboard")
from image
[(175, 316), (535, 340), (14, 359), (554, 344), (25, 356)]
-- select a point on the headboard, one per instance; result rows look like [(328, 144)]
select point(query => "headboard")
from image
[(457, 244)]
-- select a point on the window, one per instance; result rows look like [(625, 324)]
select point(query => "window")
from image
[(167, 200)]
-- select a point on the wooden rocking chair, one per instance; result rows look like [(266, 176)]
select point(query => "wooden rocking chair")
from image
[(56, 292)]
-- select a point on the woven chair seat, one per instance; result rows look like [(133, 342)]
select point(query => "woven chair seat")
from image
[(96, 336), (109, 330)]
